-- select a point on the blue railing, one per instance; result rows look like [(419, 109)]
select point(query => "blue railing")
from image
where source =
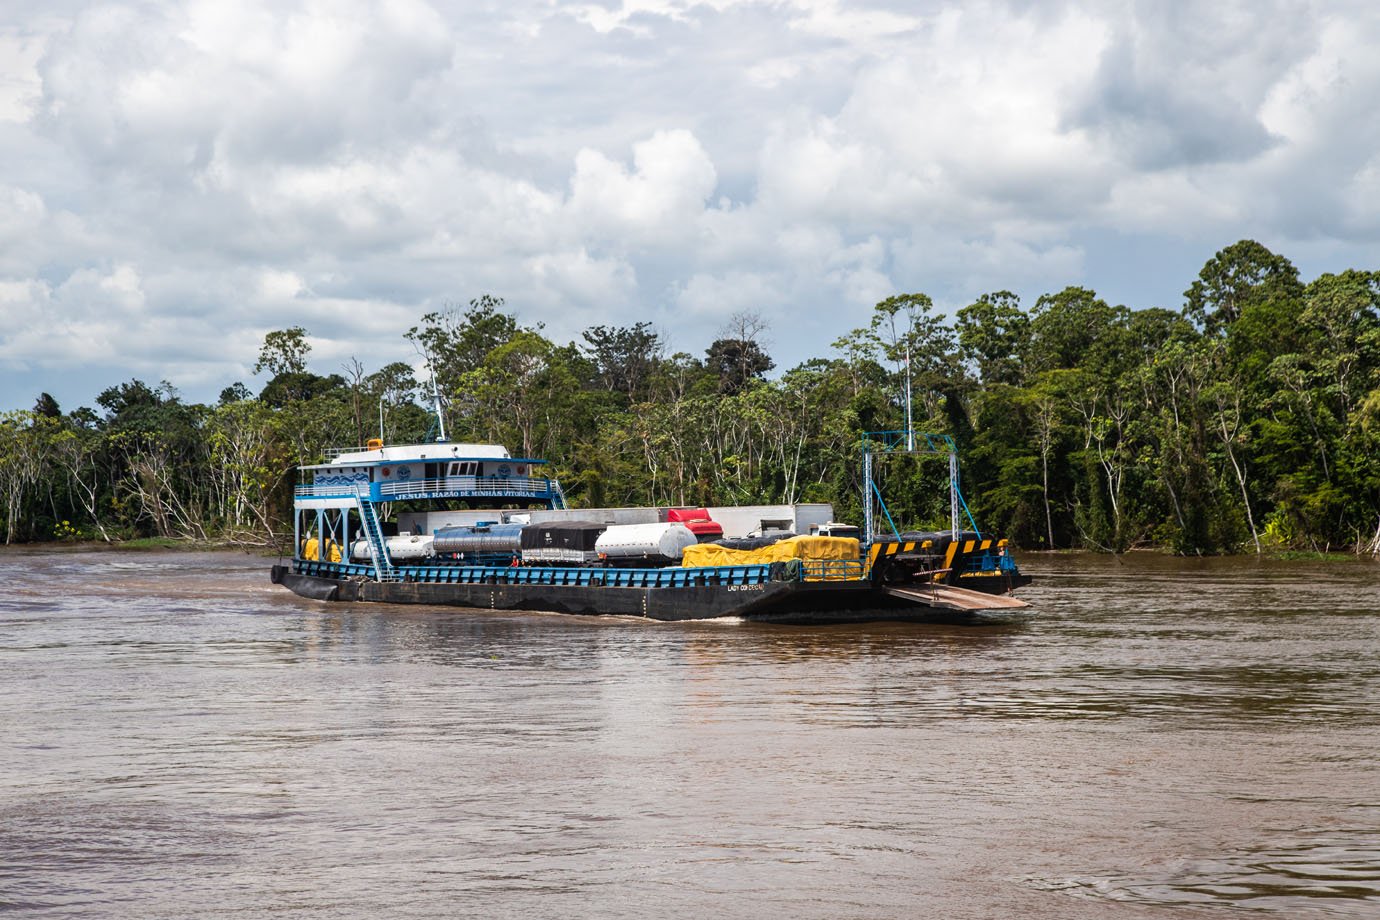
[(991, 562), (448, 487), (332, 569), (551, 575), (809, 570)]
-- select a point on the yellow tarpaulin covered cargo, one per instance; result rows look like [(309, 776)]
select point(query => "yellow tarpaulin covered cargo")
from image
[(808, 549), (312, 550)]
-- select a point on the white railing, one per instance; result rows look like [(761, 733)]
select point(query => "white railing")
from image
[(331, 453), (474, 485), (335, 491)]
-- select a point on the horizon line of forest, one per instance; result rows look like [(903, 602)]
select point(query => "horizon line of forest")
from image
[(1247, 420)]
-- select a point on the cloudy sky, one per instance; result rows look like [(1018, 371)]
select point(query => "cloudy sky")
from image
[(181, 177)]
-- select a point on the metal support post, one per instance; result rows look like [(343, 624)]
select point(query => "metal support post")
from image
[(953, 493), (867, 495)]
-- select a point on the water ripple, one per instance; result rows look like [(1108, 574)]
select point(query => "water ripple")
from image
[(1162, 738)]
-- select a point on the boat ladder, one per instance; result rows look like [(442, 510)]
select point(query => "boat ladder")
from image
[(373, 532)]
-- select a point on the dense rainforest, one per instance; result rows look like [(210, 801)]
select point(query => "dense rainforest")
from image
[(1247, 420)]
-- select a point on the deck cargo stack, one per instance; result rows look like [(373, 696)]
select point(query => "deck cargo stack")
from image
[(644, 544), (561, 543), (698, 521), (481, 543)]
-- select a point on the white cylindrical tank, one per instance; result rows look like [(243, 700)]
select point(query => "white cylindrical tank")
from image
[(407, 546), (654, 542)]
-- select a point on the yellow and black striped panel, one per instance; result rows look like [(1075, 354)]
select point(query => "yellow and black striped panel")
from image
[(969, 546), (878, 550)]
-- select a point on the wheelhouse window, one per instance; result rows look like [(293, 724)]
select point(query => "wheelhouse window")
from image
[(465, 468)]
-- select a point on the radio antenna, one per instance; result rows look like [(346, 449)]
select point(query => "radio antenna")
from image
[(436, 401)]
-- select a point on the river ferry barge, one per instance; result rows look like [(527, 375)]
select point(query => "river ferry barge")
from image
[(469, 525)]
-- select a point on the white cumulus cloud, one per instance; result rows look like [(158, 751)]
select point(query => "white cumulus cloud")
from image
[(183, 176)]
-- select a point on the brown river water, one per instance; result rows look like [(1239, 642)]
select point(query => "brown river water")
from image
[(1160, 738)]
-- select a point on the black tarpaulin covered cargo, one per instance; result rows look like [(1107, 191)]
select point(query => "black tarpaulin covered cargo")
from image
[(578, 536)]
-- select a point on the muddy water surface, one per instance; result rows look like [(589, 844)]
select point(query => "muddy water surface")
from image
[(1163, 738)]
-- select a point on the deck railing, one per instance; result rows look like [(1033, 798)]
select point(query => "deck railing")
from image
[(552, 575), (991, 562), (331, 453), (479, 485), (325, 491), (832, 570), (671, 577), (472, 485)]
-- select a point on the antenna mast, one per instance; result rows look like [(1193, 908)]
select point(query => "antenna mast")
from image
[(910, 425), (436, 401)]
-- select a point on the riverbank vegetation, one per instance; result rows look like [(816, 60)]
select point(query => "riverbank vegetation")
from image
[(1247, 420)]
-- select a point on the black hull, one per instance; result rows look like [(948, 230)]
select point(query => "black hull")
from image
[(771, 602)]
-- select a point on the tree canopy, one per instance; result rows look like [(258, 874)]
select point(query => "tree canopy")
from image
[(1246, 419)]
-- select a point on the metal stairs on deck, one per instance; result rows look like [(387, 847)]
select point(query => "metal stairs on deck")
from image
[(373, 532)]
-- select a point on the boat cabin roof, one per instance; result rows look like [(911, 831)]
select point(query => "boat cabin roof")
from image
[(435, 452)]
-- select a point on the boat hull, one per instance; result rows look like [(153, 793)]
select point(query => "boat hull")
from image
[(769, 602)]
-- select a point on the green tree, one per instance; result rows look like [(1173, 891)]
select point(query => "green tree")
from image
[(284, 351), (47, 406), (993, 332), (455, 341), (626, 358), (1073, 328), (737, 362), (1237, 277)]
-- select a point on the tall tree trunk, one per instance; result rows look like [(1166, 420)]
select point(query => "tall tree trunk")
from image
[(1245, 498), (1049, 517)]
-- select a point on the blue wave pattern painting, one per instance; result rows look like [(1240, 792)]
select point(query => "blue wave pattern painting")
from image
[(338, 480)]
